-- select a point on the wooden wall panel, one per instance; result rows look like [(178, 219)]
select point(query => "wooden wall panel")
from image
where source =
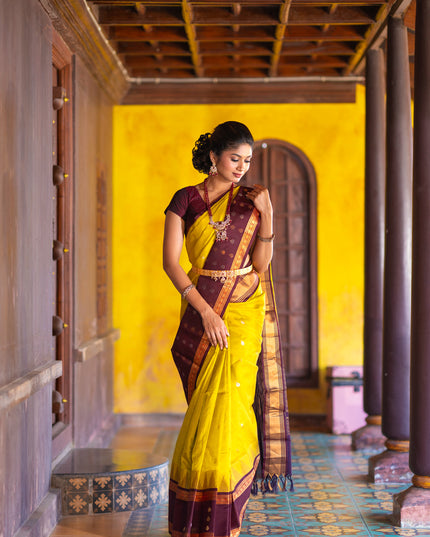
[(93, 154), (26, 246), (86, 131), (25, 171), (27, 458)]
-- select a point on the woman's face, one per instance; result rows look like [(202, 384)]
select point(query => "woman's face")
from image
[(233, 163)]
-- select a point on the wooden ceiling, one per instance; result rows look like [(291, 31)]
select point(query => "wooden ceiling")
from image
[(247, 51)]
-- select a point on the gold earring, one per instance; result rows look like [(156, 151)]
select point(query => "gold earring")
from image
[(213, 170)]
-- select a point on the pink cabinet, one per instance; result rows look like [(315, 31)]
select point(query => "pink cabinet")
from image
[(345, 411)]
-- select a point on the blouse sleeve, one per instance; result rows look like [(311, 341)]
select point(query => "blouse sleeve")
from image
[(179, 203)]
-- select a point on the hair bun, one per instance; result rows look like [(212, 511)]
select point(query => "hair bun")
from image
[(202, 147)]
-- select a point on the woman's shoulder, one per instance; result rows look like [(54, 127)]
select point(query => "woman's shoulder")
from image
[(181, 199)]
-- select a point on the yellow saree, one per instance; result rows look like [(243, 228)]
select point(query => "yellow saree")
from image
[(217, 450)]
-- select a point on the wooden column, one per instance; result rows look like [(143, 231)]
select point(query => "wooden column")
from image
[(370, 435), (392, 465), (412, 507)]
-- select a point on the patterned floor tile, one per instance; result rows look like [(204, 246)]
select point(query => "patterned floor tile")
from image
[(332, 497)]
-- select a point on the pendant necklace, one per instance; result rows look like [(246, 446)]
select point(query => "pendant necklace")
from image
[(220, 227)]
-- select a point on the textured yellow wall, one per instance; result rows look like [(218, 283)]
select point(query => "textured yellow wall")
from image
[(152, 159)]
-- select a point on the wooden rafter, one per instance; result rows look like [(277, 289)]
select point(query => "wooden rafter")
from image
[(279, 36), (190, 31), (252, 16)]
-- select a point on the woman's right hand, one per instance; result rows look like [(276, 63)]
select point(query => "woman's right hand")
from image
[(215, 328)]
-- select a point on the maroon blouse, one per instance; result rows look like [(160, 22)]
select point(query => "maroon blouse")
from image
[(189, 205)]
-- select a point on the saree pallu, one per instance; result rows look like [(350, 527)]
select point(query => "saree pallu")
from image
[(218, 448)]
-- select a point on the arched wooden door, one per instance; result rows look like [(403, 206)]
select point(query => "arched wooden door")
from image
[(290, 177)]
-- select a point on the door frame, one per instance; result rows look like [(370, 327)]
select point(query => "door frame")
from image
[(312, 380), (62, 431)]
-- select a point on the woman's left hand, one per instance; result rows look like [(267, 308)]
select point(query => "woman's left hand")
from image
[(261, 199)]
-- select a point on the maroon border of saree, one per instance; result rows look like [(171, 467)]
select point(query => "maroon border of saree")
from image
[(270, 404), (220, 514), (191, 344)]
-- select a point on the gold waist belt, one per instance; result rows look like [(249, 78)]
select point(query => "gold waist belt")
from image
[(222, 275)]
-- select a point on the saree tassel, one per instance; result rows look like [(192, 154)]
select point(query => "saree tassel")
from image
[(265, 485), (254, 488), (283, 482), (274, 484)]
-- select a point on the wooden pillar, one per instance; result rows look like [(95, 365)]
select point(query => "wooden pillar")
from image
[(370, 435), (412, 507), (391, 466)]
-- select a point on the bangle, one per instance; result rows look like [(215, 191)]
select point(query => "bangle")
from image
[(187, 290), (266, 239)]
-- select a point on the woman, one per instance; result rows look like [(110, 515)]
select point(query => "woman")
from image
[(227, 318)]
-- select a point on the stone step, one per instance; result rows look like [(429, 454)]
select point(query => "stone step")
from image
[(97, 480)]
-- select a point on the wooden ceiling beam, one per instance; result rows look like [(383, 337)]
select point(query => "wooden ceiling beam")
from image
[(227, 3), (317, 49), (187, 15), (136, 33), (150, 62), (236, 72), (158, 73), (295, 91), (129, 16), (208, 48), (228, 47), (339, 15), (306, 70), (253, 16), (320, 61), (295, 33), (279, 36), (298, 15), (145, 48), (244, 62)]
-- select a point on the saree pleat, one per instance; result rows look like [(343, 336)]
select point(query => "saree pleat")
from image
[(218, 447)]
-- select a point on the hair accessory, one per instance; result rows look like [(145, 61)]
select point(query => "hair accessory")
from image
[(266, 239), (213, 170), (220, 227), (187, 290)]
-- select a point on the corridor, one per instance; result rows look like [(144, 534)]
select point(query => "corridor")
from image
[(332, 496)]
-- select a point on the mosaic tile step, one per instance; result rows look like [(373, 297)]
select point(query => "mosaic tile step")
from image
[(95, 480)]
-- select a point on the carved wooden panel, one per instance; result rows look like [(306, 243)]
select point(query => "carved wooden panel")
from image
[(290, 177)]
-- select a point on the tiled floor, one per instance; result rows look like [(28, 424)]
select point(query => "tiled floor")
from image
[(332, 496)]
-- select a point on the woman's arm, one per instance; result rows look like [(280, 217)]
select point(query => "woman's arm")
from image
[(214, 326), (263, 250)]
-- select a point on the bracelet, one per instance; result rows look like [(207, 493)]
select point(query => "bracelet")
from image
[(266, 239), (187, 290)]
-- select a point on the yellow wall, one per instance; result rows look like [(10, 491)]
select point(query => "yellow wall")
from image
[(152, 159)]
